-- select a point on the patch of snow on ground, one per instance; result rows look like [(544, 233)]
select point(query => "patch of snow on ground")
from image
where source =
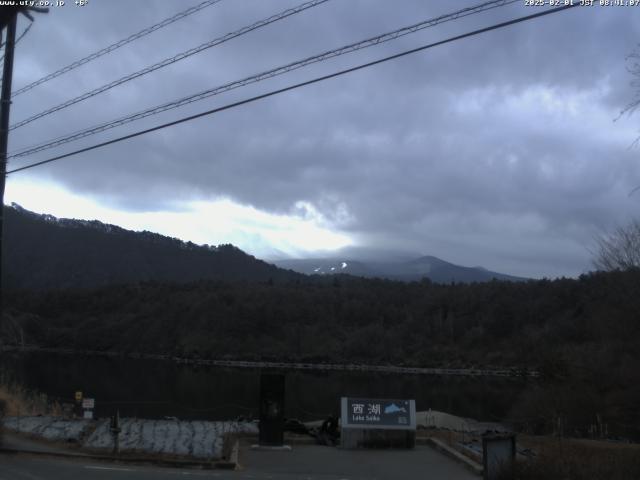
[(199, 439), (435, 419), (50, 428)]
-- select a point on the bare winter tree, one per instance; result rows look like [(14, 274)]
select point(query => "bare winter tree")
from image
[(633, 67), (619, 250)]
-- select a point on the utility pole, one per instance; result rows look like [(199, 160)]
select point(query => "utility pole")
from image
[(8, 21), (5, 107)]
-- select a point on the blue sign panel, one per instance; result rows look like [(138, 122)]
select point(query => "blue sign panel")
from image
[(378, 413)]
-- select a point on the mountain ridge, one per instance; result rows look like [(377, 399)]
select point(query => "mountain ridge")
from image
[(42, 251), (426, 266), (46, 252)]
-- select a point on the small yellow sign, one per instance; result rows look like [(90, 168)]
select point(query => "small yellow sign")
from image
[(78, 396)]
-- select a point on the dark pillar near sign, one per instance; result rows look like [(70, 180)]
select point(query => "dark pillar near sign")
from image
[(271, 409)]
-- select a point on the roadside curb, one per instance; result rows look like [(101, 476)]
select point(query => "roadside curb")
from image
[(442, 447), (203, 465)]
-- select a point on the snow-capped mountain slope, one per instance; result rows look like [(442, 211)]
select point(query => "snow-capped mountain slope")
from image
[(429, 267)]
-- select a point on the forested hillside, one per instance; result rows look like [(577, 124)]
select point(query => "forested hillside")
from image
[(45, 252), (345, 318), (582, 335)]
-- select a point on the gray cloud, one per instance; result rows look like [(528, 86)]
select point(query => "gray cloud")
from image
[(498, 150)]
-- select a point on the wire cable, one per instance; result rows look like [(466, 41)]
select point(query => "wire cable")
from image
[(115, 46), (369, 42), (169, 61), (298, 85), (24, 32)]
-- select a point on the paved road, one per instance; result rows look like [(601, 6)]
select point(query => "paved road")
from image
[(306, 462), (312, 461), (24, 467)]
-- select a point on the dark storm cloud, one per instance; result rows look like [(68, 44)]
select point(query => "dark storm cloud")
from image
[(498, 150)]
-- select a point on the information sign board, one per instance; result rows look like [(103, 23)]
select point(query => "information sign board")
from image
[(378, 413), (88, 403)]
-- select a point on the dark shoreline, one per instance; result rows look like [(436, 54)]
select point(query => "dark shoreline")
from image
[(464, 372)]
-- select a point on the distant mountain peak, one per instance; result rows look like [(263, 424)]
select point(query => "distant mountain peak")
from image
[(425, 266)]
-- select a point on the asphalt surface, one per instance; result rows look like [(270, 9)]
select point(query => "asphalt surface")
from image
[(308, 462), (25, 467), (314, 461)]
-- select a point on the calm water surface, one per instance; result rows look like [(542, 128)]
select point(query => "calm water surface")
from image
[(154, 389)]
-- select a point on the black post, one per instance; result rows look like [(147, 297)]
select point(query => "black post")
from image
[(271, 431), (5, 107), (115, 432)]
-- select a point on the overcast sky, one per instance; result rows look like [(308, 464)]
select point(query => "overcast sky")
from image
[(499, 150)]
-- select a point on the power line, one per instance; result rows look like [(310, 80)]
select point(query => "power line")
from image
[(297, 85), (369, 42), (115, 46), (168, 61), (24, 32)]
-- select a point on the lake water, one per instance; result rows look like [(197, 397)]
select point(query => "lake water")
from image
[(154, 388)]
